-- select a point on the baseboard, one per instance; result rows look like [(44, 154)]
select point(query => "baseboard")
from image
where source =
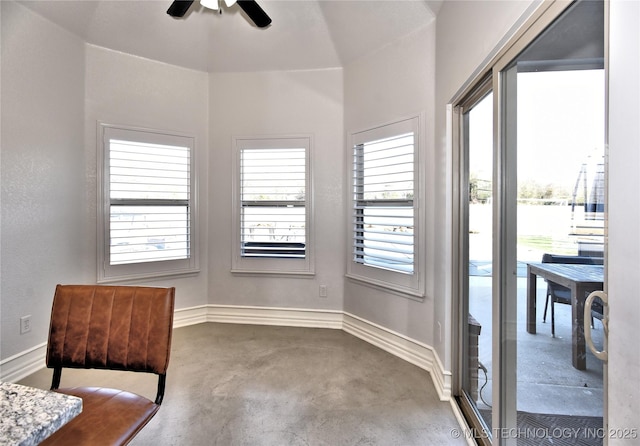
[(442, 379), (16, 367), (190, 316), (23, 364), (287, 317), (403, 347)]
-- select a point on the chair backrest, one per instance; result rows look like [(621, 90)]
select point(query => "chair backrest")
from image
[(560, 293), (110, 327), (576, 260)]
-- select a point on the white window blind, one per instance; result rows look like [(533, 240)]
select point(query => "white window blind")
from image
[(273, 202), (149, 187), (383, 211)]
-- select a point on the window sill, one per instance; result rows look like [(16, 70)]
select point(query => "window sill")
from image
[(262, 273), (148, 276), (387, 287)]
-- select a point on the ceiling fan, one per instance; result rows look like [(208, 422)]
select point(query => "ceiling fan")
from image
[(179, 8)]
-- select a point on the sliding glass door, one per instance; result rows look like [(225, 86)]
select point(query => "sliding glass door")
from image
[(537, 195)]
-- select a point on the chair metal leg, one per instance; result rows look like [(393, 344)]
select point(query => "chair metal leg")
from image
[(553, 320), (546, 304)]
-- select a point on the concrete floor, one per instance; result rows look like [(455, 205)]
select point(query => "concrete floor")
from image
[(260, 385)]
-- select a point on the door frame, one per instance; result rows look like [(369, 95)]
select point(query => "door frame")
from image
[(461, 249)]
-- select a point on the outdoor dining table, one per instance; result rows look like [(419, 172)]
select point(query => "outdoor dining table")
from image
[(29, 415), (581, 280)]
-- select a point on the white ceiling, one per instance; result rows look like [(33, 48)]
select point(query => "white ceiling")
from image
[(304, 34)]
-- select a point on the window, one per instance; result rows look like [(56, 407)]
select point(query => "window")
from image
[(273, 198), (383, 203), (383, 221), (147, 213)]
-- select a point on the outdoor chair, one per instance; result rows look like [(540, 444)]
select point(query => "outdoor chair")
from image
[(125, 328), (560, 294)]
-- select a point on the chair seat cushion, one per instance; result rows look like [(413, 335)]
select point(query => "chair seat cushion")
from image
[(109, 417)]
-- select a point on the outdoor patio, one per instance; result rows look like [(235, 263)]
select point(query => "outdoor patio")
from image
[(547, 382)]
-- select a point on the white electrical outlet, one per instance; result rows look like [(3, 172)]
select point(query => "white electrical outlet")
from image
[(25, 324), (323, 291)]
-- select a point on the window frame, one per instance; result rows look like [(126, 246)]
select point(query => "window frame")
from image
[(107, 273), (272, 265), (409, 285)]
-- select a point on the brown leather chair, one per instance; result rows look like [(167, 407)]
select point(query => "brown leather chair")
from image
[(123, 328)]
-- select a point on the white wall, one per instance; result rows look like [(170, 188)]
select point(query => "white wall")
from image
[(468, 32), (54, 90), (279, 103), (132, 91), (397, 81), (44, 204), (624, 218)]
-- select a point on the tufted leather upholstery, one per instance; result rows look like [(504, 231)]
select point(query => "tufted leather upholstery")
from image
[(109, 327)]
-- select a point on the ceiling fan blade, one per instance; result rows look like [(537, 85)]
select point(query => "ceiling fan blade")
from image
[(179, 8), (255, 13)]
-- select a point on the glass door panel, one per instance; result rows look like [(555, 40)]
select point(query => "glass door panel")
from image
[(552, 155), (478, 286), (560, 218)]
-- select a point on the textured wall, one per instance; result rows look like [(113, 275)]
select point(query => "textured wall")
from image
[(54, 90), (279, 103), (132, 91), (468, 34), (44, 207), (397, 82)]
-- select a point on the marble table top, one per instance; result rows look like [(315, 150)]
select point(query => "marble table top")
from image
[(29, 415)]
